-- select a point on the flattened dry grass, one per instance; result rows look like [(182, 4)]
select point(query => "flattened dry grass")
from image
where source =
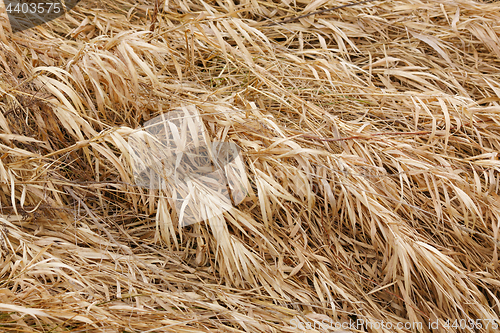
[(370, 137)]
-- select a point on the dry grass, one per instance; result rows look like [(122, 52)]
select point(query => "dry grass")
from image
[(370, 136)]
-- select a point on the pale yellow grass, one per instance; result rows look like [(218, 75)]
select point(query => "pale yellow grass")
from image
[(370, 137)]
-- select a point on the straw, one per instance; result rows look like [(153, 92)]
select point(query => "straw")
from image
[(369, 140)]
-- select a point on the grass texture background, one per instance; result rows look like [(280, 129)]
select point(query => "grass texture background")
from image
[(369, 134)]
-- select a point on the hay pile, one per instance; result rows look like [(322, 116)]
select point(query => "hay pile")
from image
[(370, 135)]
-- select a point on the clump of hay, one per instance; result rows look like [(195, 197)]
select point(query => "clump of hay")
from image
[(369, 135)]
